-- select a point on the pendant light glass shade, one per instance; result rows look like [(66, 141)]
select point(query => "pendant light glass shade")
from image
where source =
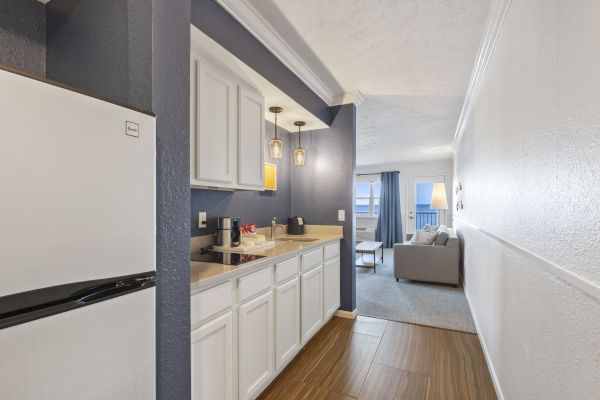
[(299, 153), (275, 144), (299, 156), (276, 148)]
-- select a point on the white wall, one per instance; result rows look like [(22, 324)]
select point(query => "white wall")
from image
[(529, 163), (408, 170)]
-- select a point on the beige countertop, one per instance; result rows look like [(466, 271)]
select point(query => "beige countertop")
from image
[(205, 274)]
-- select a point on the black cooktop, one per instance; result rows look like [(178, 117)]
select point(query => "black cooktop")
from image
[(224, 258)]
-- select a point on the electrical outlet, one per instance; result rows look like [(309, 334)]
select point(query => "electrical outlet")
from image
[(341, 215), (202, 219)]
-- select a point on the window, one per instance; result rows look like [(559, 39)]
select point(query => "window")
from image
[(367, 198)]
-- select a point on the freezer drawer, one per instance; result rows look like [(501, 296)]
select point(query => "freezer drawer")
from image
[(105, 350)]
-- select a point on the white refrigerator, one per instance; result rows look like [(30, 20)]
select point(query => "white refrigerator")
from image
[(77, 245)]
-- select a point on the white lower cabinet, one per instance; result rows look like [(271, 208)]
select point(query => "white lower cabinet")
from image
[(331, 287), (287, 322), (312, 302), (259, 321), (212, 362), (256, 345)]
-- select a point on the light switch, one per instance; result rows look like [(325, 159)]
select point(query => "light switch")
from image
[(341, 215), (202, 219)]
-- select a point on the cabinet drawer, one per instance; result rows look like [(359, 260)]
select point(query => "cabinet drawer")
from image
[(210, 302), (312, 259), (255, 283), (286, 269), (332, 251)]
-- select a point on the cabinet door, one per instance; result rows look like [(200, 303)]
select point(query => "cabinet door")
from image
[(312, 302), (251, 120), (212, 363), (287, 321), (256, 345), (215, 122), (331, 287)]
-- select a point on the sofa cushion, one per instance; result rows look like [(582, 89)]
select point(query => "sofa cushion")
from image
[(442, 236), (423, 237)]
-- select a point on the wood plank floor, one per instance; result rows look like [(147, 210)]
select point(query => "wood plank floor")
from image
[(375, 359)]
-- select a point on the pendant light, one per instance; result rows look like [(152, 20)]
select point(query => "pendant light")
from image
[(299, 153), (275, 144)]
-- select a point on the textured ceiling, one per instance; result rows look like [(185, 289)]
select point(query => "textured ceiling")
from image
[(411, 59), (406, 128)]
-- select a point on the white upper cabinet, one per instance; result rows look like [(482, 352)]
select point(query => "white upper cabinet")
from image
[(251, 138), (227, 128), (215, 119)]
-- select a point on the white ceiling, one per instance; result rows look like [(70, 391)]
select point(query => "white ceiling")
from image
[(410, 59)]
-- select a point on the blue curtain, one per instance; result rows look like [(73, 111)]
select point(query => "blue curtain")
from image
[(389, 221)]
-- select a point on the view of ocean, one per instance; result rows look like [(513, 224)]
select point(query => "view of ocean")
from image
[(363, 209)]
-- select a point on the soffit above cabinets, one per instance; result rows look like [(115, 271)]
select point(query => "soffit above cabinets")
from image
[(209, 49)]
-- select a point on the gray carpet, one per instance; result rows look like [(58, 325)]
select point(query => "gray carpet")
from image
[(379, 295)]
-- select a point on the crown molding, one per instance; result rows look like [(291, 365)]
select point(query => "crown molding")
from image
[(493, 29), (350, 97), (253, 22)]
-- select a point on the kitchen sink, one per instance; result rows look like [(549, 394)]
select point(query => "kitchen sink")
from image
[(297, 239)]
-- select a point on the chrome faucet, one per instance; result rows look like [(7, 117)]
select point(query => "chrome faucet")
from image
[(274, 226)]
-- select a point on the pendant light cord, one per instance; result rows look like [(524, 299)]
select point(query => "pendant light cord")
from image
[(276, 126), (299, 138)]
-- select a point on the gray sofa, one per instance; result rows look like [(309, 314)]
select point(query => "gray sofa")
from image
[(428, 263)]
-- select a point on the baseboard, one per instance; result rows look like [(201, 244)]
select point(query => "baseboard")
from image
[(488, 359), (346, 314)]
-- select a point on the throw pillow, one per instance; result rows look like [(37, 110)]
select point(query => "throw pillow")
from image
[(442, 236), (424, 237)]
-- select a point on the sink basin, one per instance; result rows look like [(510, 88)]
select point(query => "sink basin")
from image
[(297, 239)]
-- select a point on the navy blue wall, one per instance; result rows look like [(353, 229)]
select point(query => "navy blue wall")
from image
[(213, 20), (102, 47), (259, 207), (326, 184), (170, 102), (23, 36)]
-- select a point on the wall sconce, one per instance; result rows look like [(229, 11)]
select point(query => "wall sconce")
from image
[(458, 188), (275, 144), (299, 153), (459, 205)]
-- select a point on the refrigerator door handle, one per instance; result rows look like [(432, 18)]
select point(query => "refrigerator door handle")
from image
[(110, 290), (28, 306)]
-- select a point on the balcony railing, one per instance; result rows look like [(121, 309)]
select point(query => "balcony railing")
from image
[(424, 218)]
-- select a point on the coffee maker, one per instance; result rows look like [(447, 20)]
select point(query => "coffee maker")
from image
[(228, 232)]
